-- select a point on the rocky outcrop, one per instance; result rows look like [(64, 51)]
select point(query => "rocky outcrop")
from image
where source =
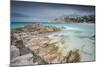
[(14, 52), (37, 48), (23, 60), (76, 19), (23, 50), (36, 28), (73, 56), (52, 51)]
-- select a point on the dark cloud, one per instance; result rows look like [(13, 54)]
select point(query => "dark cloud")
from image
[(19, 15), (47, 10)]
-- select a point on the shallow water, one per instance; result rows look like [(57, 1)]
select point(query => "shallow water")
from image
[(79, 36)]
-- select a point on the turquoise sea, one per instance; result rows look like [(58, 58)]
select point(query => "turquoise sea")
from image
[(71, 26)]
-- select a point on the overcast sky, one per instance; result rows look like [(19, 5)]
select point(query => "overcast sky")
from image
[(42, 12)]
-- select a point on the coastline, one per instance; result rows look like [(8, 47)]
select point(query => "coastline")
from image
[(48, 42)]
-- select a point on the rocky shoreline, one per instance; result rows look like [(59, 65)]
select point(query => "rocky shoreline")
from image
[(76, 19), (30, 45)]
